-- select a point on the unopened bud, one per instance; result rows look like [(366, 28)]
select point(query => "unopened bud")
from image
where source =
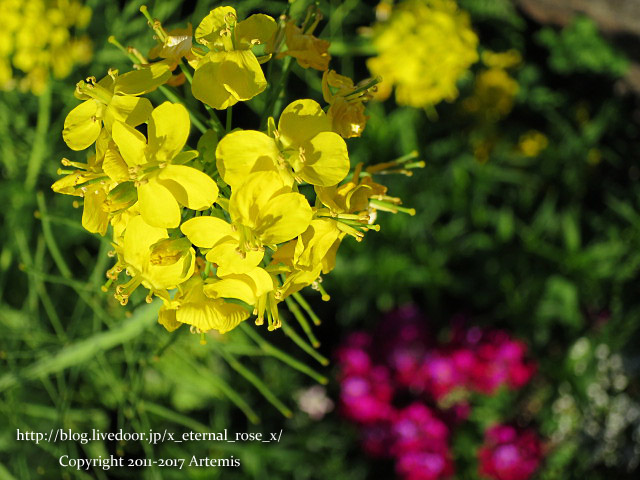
[(121, 197), (169, 251)]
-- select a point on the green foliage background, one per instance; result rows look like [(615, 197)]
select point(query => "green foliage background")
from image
[(546, 247)]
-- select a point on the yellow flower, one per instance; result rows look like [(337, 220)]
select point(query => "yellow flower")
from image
[(230, 71), (134, 250), (263, 210), (90, 183), (346, 109), (423, 50), (222, 240), (503, 60), (532, 143), (308, 50), (267, 212), (493, 95), (192, 307), (302, 148), (176, 45), (163, 183), (114, 98), (247, 287)]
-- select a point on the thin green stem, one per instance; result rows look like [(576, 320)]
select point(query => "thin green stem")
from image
[(216, 124), (39, 146), (275, 352), (187, 73), (275, 101), (256, 382), (304, 324), (229, 118), (298, 340), (307, 308)]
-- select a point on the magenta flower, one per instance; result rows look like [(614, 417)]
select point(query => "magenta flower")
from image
[(417, 428), (500, 361), (425, 465), (509, 454), (367, 398)]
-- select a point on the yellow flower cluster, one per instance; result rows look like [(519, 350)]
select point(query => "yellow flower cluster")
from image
[(248, 218), (532, 143), (37, 40), (495, 90), (424, 47)]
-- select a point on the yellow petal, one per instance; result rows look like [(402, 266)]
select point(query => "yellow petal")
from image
[(205, 232), (301, 121), (208, 32), (168, 130), (94, 217), (242, 75), (130, 142), (138, 237), (82, 127), (283, 218), (167, 318), (259, 27), (250, 197), (326, 160), (168, 277), (207, 85), (298, 280), (245, 151), (144, 80), (315, 242), (229, 259), (68, 185), (126, 108), (114, 166), (211, 314), (247, 287), (192, 188), (158, 206)]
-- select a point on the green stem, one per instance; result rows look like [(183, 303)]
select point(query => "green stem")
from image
[(307, 308), (39, 146), (293, 308), (275, 352), (275, 101), (187, 73), (216, 124), (229, 118), (298, 340), (256, 382)]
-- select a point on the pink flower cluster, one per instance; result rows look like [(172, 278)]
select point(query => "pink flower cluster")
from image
[(400, 365), (509, 454)]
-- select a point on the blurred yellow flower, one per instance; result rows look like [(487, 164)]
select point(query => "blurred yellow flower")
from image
[(493, 95), (38, 41), (423, 48), (532, 143)]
